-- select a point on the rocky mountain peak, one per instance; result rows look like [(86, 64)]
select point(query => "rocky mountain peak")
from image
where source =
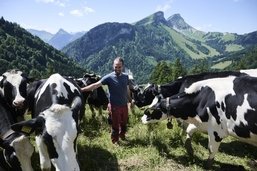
[(156, 18), (178, 23)]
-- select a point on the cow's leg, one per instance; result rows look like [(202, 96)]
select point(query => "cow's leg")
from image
[(213, 146), (100, 113), (45, 162), (24, 150), (191, 128), (92, 111)]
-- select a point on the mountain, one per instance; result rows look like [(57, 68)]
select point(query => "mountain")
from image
[(59, 39), (154, 19), (142, 45), (150, 40), (178, 23), (20, 49), (62, 38), (44, 35)]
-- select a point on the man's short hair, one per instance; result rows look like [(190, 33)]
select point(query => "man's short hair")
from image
[(119, 59)]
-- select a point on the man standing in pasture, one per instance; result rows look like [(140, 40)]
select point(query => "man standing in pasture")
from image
[(118, 85)]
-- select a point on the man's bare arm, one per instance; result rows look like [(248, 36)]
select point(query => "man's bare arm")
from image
[(91, 87)]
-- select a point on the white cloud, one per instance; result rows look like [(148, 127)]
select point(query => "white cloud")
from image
[(61, 3), (88, 10), (77, 13), (164, 7), (61, 14)]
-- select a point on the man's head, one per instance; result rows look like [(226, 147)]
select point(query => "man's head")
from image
[(118, 65)]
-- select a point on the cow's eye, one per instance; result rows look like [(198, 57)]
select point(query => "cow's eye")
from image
[(23, 89), (7, 86)]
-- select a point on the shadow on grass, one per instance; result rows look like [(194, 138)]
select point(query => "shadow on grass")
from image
[(187, 160), (92, 126), (234, 148), (89, 159), (96, 159)]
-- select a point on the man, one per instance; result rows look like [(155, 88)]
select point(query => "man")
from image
[(118, 85)]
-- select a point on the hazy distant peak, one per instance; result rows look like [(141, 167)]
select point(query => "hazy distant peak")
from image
[(44, 35), (62, 31)]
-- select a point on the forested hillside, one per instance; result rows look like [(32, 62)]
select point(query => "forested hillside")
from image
[(244, 59), (19, 49)]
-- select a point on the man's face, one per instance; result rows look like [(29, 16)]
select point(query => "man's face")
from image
[(117, 66)]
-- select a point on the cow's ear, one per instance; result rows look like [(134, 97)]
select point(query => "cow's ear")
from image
[(30, 80), (29, 126), (2, 81), (87, 75), (156, 90)]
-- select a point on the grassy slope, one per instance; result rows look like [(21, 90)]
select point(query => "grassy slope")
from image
[(221, 65), (181, 40), (152, 148)]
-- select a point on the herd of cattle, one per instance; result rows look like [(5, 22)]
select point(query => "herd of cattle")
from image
[(219, 103)]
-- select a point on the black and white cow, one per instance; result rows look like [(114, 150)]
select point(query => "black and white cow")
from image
[(56, 105), (97, 99), (146, 96), (13, 84), (221, 106), (17, 150)]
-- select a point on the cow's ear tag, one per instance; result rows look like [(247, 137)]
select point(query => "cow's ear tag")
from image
[(169, 125), (26, 129)]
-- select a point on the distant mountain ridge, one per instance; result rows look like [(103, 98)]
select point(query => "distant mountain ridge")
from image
[(150, 40), (44, 35), (59, 39)]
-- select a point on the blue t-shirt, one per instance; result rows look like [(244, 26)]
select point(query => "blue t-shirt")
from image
[(117, 86)]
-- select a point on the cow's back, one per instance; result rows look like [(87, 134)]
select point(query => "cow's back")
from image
[(55, 90)]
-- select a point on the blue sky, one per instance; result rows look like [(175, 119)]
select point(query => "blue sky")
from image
[(234, 16)]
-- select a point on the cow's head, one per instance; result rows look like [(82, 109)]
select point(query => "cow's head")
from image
[(87, 79), (180, 106), (154, 113), (58, 130), (98, 96), (146, 96), (90, 79), (13, 85)]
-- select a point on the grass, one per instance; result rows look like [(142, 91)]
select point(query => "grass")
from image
[(221, 65), (153, 148)]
